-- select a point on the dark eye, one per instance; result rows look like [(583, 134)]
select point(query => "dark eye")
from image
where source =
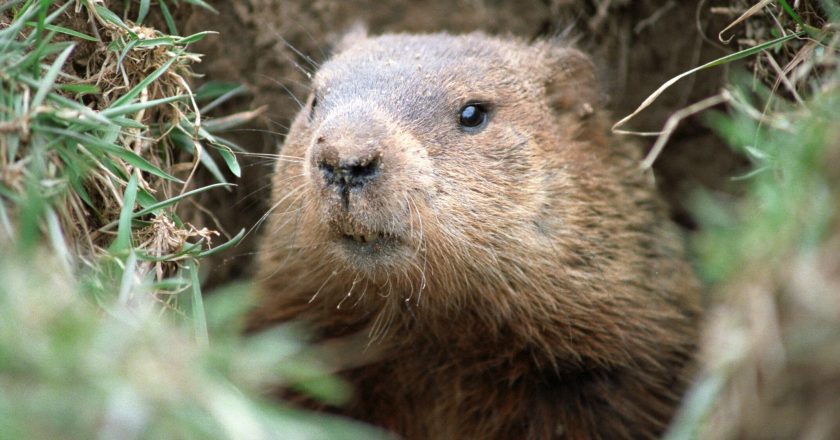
[(313, 105), (473, 115)]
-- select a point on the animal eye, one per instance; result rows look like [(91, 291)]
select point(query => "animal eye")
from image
[(311, 110), (313, 104), (473, 115)]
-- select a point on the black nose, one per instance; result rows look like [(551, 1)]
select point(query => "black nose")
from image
[(350, 173)]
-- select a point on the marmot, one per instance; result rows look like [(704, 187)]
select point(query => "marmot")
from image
[(460, 202)]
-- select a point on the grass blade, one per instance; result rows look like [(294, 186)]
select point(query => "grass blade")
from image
[(136, 107), (113, 149), (127, 280), (79, 89), (194, 37), (123, 240), (792, 14), (131, 94), (720, 61), (230, 160), (18, 24), (167, 17), (198, 314), (66, 102), (8, 5), (5, 222), (58, 241), (168, 202), (114, 19), (230, 243), (178, 198), (203, 4), (143, 10), (66, 31), (47, 82)]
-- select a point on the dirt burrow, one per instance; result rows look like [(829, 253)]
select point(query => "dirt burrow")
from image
[(637, 44)]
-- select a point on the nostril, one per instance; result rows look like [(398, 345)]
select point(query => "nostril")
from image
[(328, 171), (353, 174), (362, 172), (365, 170)]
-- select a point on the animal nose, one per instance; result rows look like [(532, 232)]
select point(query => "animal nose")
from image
[(349, 151), (350, 172)]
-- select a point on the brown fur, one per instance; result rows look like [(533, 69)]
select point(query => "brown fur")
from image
[(537, 290)]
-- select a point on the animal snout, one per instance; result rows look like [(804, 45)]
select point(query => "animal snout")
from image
[(348, 162), (350, 171)]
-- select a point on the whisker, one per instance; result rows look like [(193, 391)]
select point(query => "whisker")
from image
[(420, 247), (268, 163), (279, 124), (349, 292), (301, 54), (291, 60), (250, 194), (273, 207), (334, 273), (367, 283), (289, 91), (306, 86), (271, 156), (297, 100), (262, 130), (262, 188), (311, 38), (290, 218)]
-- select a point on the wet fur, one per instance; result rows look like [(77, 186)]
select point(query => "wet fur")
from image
[(542, 292)]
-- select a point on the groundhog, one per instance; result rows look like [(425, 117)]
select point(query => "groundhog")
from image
[(459, 204)]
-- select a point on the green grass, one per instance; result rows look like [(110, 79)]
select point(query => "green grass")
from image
[(767, 256), (768, 248), (104, 329), (73, 369)]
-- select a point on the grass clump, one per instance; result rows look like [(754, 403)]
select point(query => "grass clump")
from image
[(770, 357), (104, 332), (73, 369), (81, 130), (770, 354)]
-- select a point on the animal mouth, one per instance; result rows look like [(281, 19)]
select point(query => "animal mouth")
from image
[(369, 237), (364, 241)]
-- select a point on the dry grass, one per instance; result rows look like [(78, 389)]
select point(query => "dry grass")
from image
[(100, 135), (117, 107), (104, 331), (770, 355)]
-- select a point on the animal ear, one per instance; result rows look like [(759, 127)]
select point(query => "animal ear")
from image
[(571, 82), (356, 34)]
